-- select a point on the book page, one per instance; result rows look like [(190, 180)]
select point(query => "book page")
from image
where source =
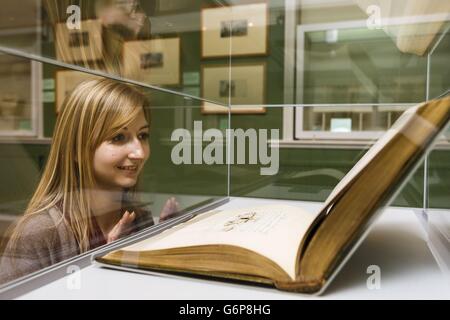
[(274, 231), (373, 151)]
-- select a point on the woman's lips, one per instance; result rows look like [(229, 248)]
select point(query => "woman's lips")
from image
[(130, 169)]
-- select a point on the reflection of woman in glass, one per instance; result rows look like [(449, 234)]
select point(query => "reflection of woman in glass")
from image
[(121, 21), (86, 195)]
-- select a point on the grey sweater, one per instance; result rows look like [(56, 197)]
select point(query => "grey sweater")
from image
[(45, 240)]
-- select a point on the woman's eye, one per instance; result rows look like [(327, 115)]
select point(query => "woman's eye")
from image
[(118, 138), (144, 136)]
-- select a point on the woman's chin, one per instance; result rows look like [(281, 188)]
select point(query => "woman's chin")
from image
[(127, 183)]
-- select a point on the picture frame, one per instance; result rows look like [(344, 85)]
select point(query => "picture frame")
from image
[(154, 62), (245, 25), (65, 82), (80, 45), (20, 97), (366, 127), (246, 88)]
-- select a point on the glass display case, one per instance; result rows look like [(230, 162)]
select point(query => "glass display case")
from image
[(436, 215), (274, 99)]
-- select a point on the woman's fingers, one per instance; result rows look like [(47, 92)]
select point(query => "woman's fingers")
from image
[(177, 206), (122, 227), (170, 208), (127, 218), (114, 233), (174, 203)]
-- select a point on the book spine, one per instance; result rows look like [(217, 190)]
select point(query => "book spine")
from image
[(308, 286)]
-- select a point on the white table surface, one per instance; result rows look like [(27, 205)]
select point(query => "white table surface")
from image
[(396, 244)]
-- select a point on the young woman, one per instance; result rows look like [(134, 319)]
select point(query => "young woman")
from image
[(86, 195)]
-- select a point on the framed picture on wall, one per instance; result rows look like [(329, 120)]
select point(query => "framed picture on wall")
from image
[(155, 62), (243, 26), (244, 91), (66, 81), (20, 96), (79, 45)]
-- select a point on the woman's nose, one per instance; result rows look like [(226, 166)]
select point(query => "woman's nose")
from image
[(136, 151)]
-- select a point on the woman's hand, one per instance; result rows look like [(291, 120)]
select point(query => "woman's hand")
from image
[(122, 228), (169, 210)]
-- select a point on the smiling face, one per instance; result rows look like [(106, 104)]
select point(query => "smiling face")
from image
[(119, 159)]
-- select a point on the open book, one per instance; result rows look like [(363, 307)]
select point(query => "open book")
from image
[(286, 246)]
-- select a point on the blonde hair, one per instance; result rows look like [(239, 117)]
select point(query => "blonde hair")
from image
[(93, 112)]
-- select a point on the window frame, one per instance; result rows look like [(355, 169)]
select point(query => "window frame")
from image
[(299, 132)]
